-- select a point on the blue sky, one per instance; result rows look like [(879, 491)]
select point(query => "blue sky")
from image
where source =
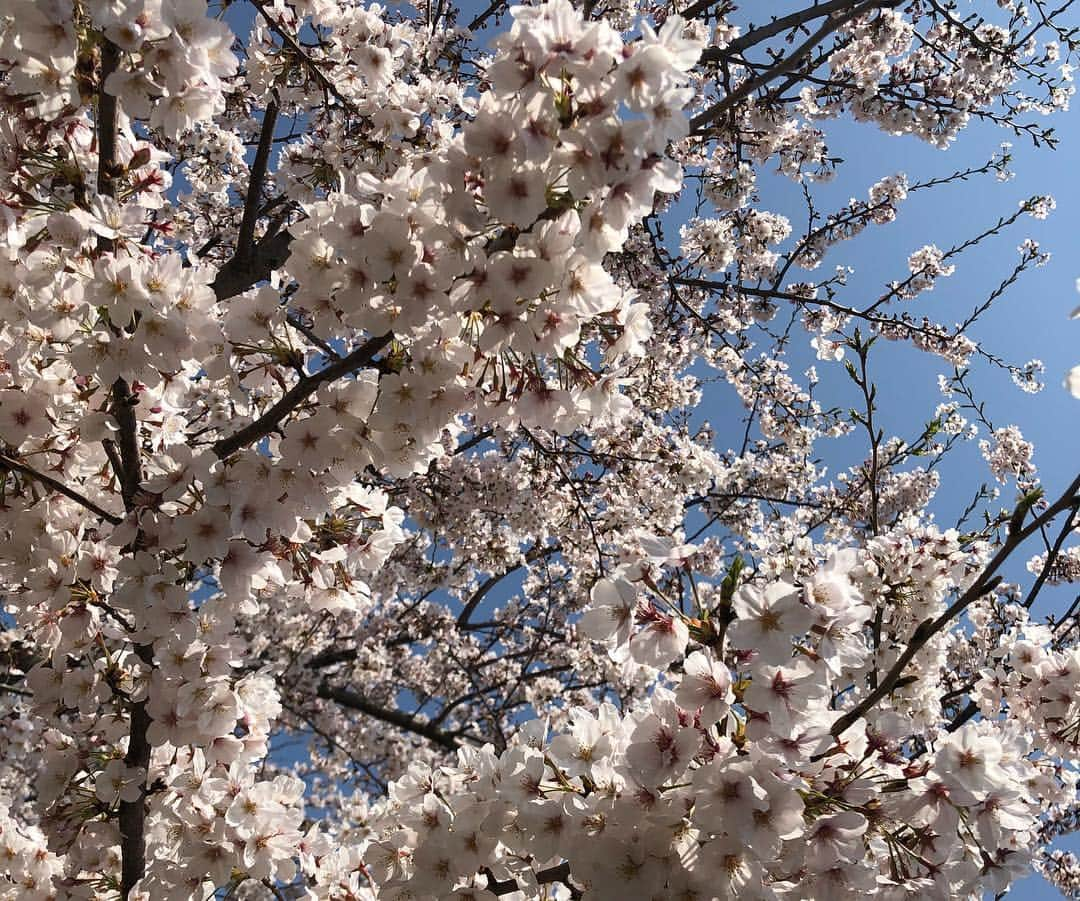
[(1029, 321)]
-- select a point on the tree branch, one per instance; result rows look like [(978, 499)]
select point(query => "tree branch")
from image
[(776, 26), (245, 246), (696, 9), (402, 720), (481, 592), (299, 392), (127, 465), (29, 472), (296, 321), (237, 275), (985, 583), (253, 262), (495, 7), (558, 873), (1051, 558), (782, 67), (289, 41), (107, 109), (894, 321), (130, 472), (132, 814), (331, 657)]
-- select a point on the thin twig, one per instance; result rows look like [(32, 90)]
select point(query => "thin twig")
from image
[(1051, 558)]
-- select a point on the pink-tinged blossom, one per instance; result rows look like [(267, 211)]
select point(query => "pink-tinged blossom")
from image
[(785, 694), (705, 687), (768, 620), (659, 637), (968, 762)]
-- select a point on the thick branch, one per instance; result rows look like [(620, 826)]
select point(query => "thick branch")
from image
[(558, 873), (129, 473), (128, 468), (253, 262), (107, 109), (970, 709), (237, 275), (495, 7), (696, 9), (331, 657), (132, 815), (298, 393), (123, 410), (481, 592), (489, 583), (296, 321), (402, 720), (245, 243)]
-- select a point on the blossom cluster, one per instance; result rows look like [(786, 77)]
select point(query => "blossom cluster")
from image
[(730, 779)]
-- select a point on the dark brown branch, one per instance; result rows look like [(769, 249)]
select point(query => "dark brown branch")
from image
[(481, 592), (123, 410), (696, 9), (107, 109), (237, 275), (476, 439), (985, 583), (301, 391), (875, 435), (970, 709), (1051, 559), (289, 41), (245, 239), (132, 814), (29, 472), (354, 701), (558, 873), (777, 26), (296, 321), (495, 7), (444, 714), (128, 468), (129, 473), (782, 67), (253, 262), (331, 657)]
